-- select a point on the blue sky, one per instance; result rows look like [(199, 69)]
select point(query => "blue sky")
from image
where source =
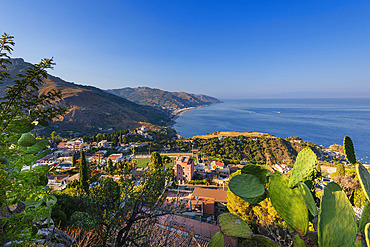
[(227, 49)]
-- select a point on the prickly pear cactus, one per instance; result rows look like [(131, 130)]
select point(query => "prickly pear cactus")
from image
[(217, 240), (349, 150), (247, 186), (365, 217), (26, 140), (337, 221), (255, 200), (303, 166), (367, 234), (298, 242), (364, 178), (310, 202), (288, 203), (234, 226), (256, 170)]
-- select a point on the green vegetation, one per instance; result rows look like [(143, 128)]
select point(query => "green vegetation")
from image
[(24, 197), (337, 224), (262, 150)]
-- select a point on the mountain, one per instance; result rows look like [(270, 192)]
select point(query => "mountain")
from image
[(90, 108), (172, 101)]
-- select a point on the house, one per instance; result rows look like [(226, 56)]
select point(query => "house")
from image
[(282, 168), (216, 165), (184, 168), (58, 182), (105, 144), (116, 157), (208, 202)]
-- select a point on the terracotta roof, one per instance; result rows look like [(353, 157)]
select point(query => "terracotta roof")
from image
[(217, 195)]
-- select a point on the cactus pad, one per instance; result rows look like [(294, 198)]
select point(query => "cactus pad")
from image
[(303, 166), (364, 178), (255, 200), (349, 150), (310, 202), (365, 217), (367, 234), (298, 242), (217, 240), (26, 140), (246, 186), (256, 170), (337, 221), (234, 226), (288, 203), (37, 147)]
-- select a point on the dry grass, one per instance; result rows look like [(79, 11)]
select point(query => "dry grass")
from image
[(83, 237)]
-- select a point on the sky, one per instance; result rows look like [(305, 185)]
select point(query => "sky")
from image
[(226, 49)]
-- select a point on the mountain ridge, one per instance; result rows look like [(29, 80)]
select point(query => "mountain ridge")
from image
[(171, 101), (90, 108)]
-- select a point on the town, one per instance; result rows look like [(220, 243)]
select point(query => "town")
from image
[(199, 180)]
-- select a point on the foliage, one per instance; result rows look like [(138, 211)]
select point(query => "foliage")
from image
[(21, 109), (84, 172), (341, 171), (337, 223)]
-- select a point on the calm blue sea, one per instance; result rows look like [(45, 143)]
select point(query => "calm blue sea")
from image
[(322, 121)]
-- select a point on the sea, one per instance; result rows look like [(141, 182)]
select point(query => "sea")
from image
[(321, 121)]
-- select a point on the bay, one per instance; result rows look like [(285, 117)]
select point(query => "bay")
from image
[(322, 121)]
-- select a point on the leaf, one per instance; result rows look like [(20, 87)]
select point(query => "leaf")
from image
[(349, 150), (288, 203), (298, 242), (20, 126), (37, 147), (303, 166), (26, 140), (234, 226), (217, 240), (51, 200), (367, 235), (256, 170), (246, 186), (364, 177), (365, 217), (41, 155), (337, 224), (255, 200), (308, 198)]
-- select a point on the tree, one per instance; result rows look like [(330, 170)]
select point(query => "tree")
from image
[(21, 109), (84, 172), (74, 161), (155, 161), (340, 170)]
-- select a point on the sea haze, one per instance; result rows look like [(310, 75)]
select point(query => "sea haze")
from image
[(322, 121)]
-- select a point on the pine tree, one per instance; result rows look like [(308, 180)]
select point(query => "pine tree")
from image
[(84, 172), (74, 161)]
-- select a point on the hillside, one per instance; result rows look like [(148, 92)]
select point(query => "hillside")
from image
[(255, 147), (90, 108), (172, 101)]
